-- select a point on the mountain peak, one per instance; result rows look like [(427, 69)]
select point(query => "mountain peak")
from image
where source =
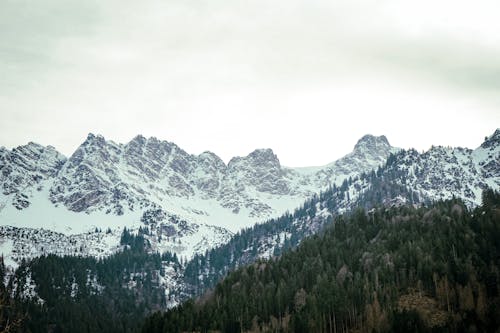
[(30, 146), (371, 142), (492, 140), (265, 155), (259, 158), (139, 138), (266, 152), (94, 138), (208, 155)]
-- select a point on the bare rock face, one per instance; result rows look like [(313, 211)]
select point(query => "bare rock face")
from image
[(369, 153), (102, 175), (25, 169), (89, 176), (210, 171), (445, 172), (491, 142), (179, 199), (488, 156), (262, 170)]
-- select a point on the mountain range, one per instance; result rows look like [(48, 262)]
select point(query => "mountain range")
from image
[(191, 203), (406, 178), (194, 201), (204, 217)]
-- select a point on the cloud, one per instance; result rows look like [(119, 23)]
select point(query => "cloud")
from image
[(241, 74)]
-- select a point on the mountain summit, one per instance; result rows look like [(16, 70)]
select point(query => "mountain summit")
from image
[(492, 140), (104, 176), (188, 206), (198, 200), (372, 143)]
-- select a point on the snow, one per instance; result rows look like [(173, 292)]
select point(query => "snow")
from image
[(170, 279), (6, 248), (213, 199), (42, 214), (74, 289), (95, 287), (27, 290), (307, 171), (27, 243), (234, 203), (197, 241)]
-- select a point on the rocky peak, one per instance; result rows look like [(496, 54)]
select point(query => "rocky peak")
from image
[(210, 159), (26, 167), (138, 140), (369, 153), (259, 158), (163, 148), (30, 150), (492, 141), (266, 154), (93, 150), (261, 170), (372, 143), (34, 156), (94, 140)]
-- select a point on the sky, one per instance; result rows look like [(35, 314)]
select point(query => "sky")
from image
[(306, 78)]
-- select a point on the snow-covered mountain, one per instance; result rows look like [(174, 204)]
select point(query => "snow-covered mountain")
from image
[(107, 185), (26, 169), (191, 203), (104, 176), (445, 172), (188, 204), (120, 178), (407, 178)]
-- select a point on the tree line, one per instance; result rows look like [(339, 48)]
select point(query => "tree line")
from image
[(426, 269)]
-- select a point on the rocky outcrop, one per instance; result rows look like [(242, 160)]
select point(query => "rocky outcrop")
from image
[(102, 175)]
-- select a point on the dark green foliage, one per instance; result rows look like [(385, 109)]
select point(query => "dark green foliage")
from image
[(408, 322), (407, 269), (84, 294), (11, 317), (376, 188)]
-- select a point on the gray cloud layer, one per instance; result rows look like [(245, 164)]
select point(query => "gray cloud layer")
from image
[(211, 74)]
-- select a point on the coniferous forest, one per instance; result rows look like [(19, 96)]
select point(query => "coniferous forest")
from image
[(413, 268), (249, 166), (400, 269), (85, 294)]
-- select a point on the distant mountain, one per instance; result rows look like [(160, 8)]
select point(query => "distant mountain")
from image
[(178, 204), (407, 178), (25, 169), (115, 178), (190, 203), (444, 172), (398, 269)]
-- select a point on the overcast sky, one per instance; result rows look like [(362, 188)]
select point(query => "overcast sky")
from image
[(306, 78)]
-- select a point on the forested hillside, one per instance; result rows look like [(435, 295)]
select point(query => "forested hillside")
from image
[(115, 294), (407, 178), (394, 269), (84, 294), (272, 238)]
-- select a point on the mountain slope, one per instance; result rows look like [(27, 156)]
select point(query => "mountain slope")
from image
[(26, 169), (403, 269), (105, 185), (407, 178), (115, 178), (395, 183), (149, 183)]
